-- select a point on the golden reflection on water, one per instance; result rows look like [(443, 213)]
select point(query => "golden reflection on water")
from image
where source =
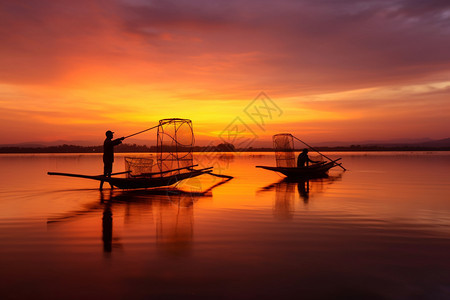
[(382, 185), (384, 224), (171, 211), (289, 190)]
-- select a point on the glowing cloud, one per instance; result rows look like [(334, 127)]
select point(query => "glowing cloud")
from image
[(340, 70)]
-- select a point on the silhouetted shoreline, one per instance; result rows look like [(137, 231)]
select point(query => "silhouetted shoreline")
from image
[(133, 148)]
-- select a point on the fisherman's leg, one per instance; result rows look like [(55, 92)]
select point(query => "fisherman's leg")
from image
[(107, 170), (112, 187), (101, 182), (109, 175)]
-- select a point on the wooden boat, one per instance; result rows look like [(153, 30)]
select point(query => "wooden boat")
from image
[(283, 144), (170, 152), (150, 181), (311, 171)]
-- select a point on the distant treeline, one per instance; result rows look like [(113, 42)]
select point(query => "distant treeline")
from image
[(125, 148), (76, 149)]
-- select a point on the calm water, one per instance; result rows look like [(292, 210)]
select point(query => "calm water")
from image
[(378, 231)]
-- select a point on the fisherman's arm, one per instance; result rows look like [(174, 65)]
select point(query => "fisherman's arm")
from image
[(117, 141), (313, 161)]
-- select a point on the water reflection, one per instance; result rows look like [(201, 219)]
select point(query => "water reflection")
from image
[(172, 212), (107, 227), (382, 232), (175, 225), (284, 204), (303, 190)]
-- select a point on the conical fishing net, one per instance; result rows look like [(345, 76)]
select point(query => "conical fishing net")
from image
[(283, 145), (138, 166), (175, 143)]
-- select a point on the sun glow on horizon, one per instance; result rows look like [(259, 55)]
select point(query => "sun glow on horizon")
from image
[(86, 69)]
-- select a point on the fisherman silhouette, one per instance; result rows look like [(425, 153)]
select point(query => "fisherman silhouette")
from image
[(303, 190), (107, 223), (303, 159), (108, 155)]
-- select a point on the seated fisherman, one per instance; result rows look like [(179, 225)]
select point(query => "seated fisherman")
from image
[(303, 159)]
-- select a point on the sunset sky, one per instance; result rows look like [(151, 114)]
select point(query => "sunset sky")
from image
[(336, 70)]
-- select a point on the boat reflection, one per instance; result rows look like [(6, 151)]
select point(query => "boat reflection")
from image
[(285, 196), (174, 222), (284, 205), (172, 212)]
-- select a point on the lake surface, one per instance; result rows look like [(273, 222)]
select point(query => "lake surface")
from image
[(381, 230)]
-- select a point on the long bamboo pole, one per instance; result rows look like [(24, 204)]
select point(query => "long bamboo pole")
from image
[(140, 132), (145, 130)]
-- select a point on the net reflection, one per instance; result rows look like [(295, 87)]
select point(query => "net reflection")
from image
[(285, 195), (174, 222), (172, 212), (284, 205), (168, 212)]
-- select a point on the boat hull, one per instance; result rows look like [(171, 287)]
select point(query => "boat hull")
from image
[(317, 170), (142, 183), (139, 183)]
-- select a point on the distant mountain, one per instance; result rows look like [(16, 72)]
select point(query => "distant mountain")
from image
[(392, 142), (437, 143), (85, 143), (423, 142), (24, 145), (408, 143), (40, 144)]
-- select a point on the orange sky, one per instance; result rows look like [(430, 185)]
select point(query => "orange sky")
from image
[(336, 70)]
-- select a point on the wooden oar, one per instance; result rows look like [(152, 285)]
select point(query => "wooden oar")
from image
[(96, 177), (217, 184), (118, 173), (83, 176), (318, 152), (221, 175)]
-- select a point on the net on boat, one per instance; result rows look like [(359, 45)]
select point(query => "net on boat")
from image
[(283, 145), (174, 146), (317, 157), (138, 166)]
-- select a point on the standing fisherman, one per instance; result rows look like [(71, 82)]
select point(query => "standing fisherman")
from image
[(108, 154)]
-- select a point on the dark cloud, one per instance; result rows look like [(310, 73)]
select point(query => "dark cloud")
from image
[(290, 45), (180, 15), (434, 11), (39, 37), (320, 43)]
